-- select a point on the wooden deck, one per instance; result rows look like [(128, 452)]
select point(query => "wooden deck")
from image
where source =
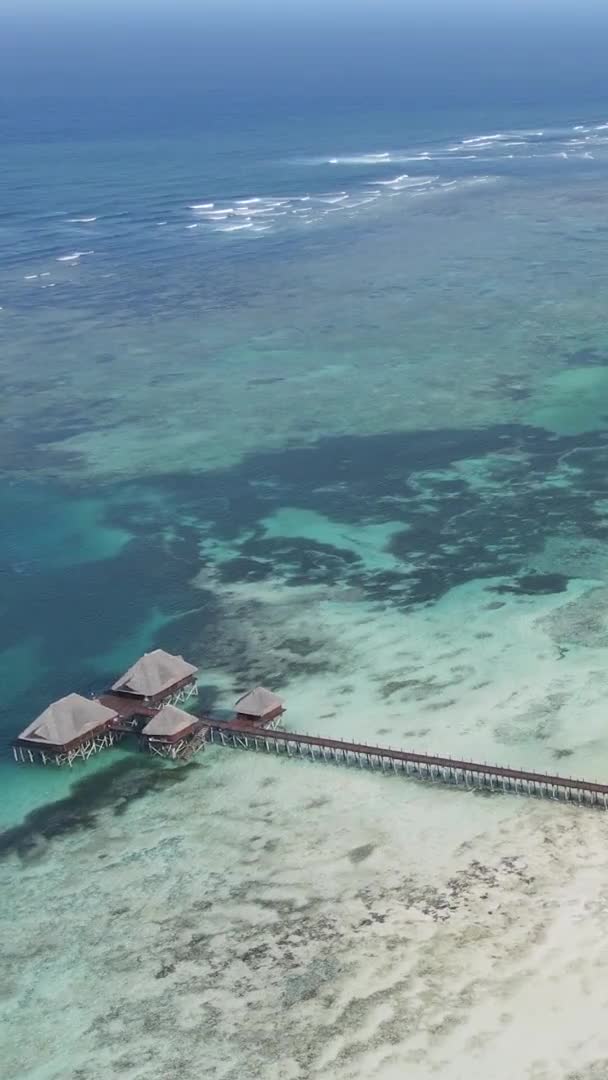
[(421, 766), (265, 736), (124, 707)]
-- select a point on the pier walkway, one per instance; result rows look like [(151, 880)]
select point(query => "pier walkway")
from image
[(421, 766)]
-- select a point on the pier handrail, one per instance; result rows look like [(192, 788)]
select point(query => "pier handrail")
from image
[(369, 750)]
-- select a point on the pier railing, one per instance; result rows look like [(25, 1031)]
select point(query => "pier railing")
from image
[(421, 766)]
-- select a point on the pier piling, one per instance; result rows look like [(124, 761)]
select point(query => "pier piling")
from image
[(431, 767)]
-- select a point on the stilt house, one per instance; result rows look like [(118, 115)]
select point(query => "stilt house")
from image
[(259, 706), (72, 727), (174, 733), (158, 678)]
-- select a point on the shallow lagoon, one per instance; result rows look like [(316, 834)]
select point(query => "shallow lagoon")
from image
[(365, 465)]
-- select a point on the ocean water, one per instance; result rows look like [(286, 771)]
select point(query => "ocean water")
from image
[(305, 376)]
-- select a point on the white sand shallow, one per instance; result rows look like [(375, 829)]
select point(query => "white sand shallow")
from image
[(279, 919), (320, 924)]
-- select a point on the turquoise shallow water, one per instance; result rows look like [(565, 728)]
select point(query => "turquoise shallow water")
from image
[(393, 388), (323, 406)]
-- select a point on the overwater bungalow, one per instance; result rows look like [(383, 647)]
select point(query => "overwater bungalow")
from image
[(158, 678), (174, 733), (73, 727), (259, 706)]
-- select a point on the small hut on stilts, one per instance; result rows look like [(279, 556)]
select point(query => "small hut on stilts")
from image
[(73, 727), (174, 733), (260, 707), (158, 678)]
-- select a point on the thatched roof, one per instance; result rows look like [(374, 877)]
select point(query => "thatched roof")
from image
[(169, 721), (153, 673), (258, 702), (67, 719)]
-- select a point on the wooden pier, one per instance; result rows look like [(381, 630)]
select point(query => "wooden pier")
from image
[(469, 774), (144, 703)]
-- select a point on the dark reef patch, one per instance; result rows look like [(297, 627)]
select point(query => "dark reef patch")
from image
[(302, 561), (359, 854), (535, 584), (455, 529), (587, 358), (116, 787), (244, 569), (303, 646)]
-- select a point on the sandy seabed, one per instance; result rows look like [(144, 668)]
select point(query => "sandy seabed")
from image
[(266, 918)]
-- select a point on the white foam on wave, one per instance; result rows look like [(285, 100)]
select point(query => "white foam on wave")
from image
[(74, 257), (495, 147), (244, 211), (260, 214), (391, 183), (361, 159), (195, 226), (30, 277), (485, 139), (81, 220), (464, 182), (235, 228), (402, 183), (418, 181), (354, 205)]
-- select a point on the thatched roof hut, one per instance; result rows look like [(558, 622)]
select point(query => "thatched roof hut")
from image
[(156, 676), (259, 705), (171, 724), (66, 723)]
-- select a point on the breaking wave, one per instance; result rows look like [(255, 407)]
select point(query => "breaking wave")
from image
[(342, 186)]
